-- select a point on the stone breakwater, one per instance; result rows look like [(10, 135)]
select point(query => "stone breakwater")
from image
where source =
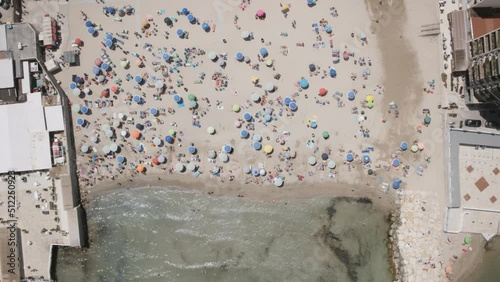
[(415, 237)]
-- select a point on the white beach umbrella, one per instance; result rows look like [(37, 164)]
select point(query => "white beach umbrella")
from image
[(93, 139), (255, 97), (270, 87), (224, 157), (312, 160), (156, 141), (86, 90), (124, 133), (278, 181), (108, 133), (106, 150), (256, 137), (85, 148), (331, 164), (179, 167), (212, 55), (159, 84), (211, 154), (247, 169), (77, 91), (262, 172), (76, 108), (191, 167), (113, 147), (216, 169), (105, 127), (121, 116)]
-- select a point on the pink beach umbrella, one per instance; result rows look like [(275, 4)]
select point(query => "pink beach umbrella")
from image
[(237, 123), (260, 13)]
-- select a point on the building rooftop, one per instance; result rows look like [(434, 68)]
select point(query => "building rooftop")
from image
[(7, 77), (483, 26)]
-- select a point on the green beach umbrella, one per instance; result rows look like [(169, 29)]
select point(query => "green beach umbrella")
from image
[(326, 135), (369, 105), (210, 130), (236, 108), (414, 148), (467, 240), (171, 132), (370, 171), (193, 104), (191, 97), (427, 119)]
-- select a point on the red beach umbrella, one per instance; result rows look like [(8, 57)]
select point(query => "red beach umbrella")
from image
[(155, 161), (114, 88), (98, 62), (78, 41), (105, 93), (322, 92)]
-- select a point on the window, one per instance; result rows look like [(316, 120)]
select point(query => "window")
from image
[(493, 40)]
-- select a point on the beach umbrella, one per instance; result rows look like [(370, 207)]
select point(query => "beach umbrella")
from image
[(351, 95), (139, 148), (105, 127), (244, 133), (239, 56), (467, 240), (370, 171), (421, 146), (404, 145), (245, 34), (72, 85), (86, 90), (100, 78), (121, 13), (349, 157), (180, 32), (157, 141), (278, 181), (236, 108), (96, 70), (89, 24), (81, 121), (124, 63), (314, 124), (260, 13), (106, 150), (120, 159), (185, 11), (247, 169), (263, 52), (206, 27), (155, 161), (135, 134), (84, 110), (215, 170), (369, 105), (414, 148), (153, 111), (224, 157), (227, 148), (76, 108), (326, 134), (137, 99), (222, 63), (78, 80), (193, 104), (370, 98), (268, 149), (255, 172), (395, 162), (91, 30), (255, 97), (141, 168), (312, 160), (109, 43), (310, 2), (269, 62), (159, 84), (98, 62), (396, 184), (171, 132), (287, 100), (84, 148), (270, 87), (169, 139), (210, 130), (110, 10), (138, 63), (247, 116), (191, 18), (138, 79), (93, 139), (322, 92), (312, 67), (211, 154), (333, 73), (427, 120), (324, 156), (257, 137), (262, 172), (77, 92), (108, 133), (139, 126), (267, 117), (257, 145), (109, 36), (105, 93), (328, 29), (293, 106), (366, 159), (331, 164), (114, 88), (191, 167), (166, 56), (168, 21), (212, 55), (303, 83), (161, 159), (124, 133), (121, 116), (116, 123), (177, 99), (113, 147), (192, 150)]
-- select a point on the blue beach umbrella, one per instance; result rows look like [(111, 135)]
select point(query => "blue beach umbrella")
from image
[(310, 2), (228, 148), (110, 10), (255, 172), (153, 111), (333, 73), (257, 145), (120, 159), (177, 99), (89, 24), (328, 29), (109, 43), (91, 30), (72, 85), (293, 106), (288, 100), (396, 184), (80, 121), (263, 51), (395, 162), (105, 66), (190, 18), (366, 158), (138, 79), (404, 145), (267, 118), (314, 124), (166, 56), (244, 133), (349, 157), (185, 11), (247, 116), (138, 148), (78, 80), (192, 150), (180, 32), (169, 139), (139, 126), (137, 99), (206, 27), (351, 95), (239, 56), (109, 36), (84, 110), (304, 84), (96, 70), (161, 159)]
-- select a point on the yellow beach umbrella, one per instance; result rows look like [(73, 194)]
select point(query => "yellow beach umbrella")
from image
[(370, 99), (124, 64), (285, 7), (269, 62), (268, 149), (236, 108), (254, 79), (171, 132)]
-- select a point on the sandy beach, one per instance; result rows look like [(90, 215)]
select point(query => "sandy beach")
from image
[(329, 99)]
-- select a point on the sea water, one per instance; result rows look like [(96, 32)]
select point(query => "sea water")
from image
[(165, 235)]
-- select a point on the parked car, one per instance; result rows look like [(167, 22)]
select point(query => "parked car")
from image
[(491, 124), (472, 123)]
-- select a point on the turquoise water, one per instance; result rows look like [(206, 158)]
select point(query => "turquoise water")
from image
[(163, 235)]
